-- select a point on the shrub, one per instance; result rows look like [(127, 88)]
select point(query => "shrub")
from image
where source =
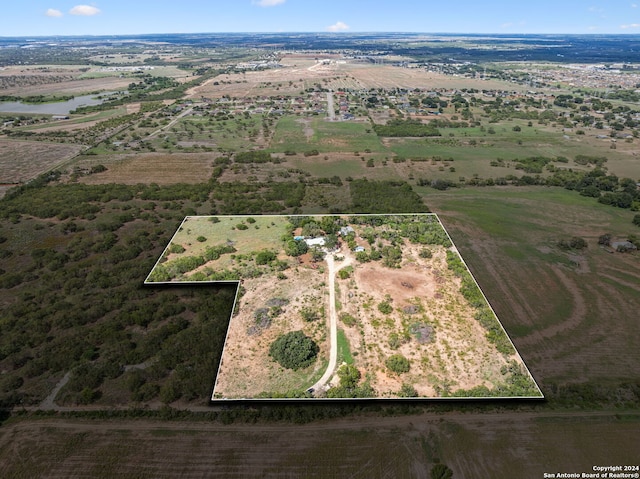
[(573, 243), (385, 307), (347, 319), (176, 248), (265, 257), (398, 364)]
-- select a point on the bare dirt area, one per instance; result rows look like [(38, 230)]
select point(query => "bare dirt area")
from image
[(425, 297), (21, 161), (386, 76), (160, 168), (297, 74)]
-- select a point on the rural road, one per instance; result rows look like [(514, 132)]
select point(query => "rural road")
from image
[(333, 320), (330, 109)]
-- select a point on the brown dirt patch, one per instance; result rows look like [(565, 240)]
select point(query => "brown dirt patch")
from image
[(402, 284), (457, 355)]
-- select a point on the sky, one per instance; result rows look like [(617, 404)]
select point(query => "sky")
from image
[(119, 17)]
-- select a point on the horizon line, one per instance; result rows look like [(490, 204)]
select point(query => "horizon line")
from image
[(310, 32)]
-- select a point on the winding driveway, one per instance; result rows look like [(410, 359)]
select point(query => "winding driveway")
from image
[(333, 321)]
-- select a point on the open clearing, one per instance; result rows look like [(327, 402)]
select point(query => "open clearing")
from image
[(159, 168), (426, 318), (22, 161)]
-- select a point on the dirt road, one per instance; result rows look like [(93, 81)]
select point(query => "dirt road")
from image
[(333, 321), (330, 109)]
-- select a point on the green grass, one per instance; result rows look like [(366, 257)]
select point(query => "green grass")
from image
[(327, 137), (344, 352), (261, 235), (232, 134)]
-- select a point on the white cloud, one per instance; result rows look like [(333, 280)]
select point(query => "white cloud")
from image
[(53, 13), (338, 27), (631, 25), (84, 10), (634, 5), (268, 3)]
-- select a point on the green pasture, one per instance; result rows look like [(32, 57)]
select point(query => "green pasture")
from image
[(344, 352), (265, 233), (324, 136), (232, 134)]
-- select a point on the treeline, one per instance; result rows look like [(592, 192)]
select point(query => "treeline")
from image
[(406, 128), (37, 99), (597, 183), (471, 292), (377, 197), (184, 264)]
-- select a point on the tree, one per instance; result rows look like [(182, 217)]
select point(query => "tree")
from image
[(441, 471), (294, 350), (636, 220), (317, 254)]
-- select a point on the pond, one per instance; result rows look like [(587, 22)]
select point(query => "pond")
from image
[(57, 108)]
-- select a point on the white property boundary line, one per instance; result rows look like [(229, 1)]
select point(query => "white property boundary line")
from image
[(235, 302)]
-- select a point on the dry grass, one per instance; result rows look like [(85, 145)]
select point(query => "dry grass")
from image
[(21, 161), (160, 168)]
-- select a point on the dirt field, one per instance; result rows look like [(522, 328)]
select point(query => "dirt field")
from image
[(160, 168), (496, 445), (21, 161), (300, 72)]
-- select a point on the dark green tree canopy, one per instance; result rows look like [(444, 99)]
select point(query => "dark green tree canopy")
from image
[(294, 350)]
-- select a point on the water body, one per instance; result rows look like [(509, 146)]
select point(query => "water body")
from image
[(58, 108)]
